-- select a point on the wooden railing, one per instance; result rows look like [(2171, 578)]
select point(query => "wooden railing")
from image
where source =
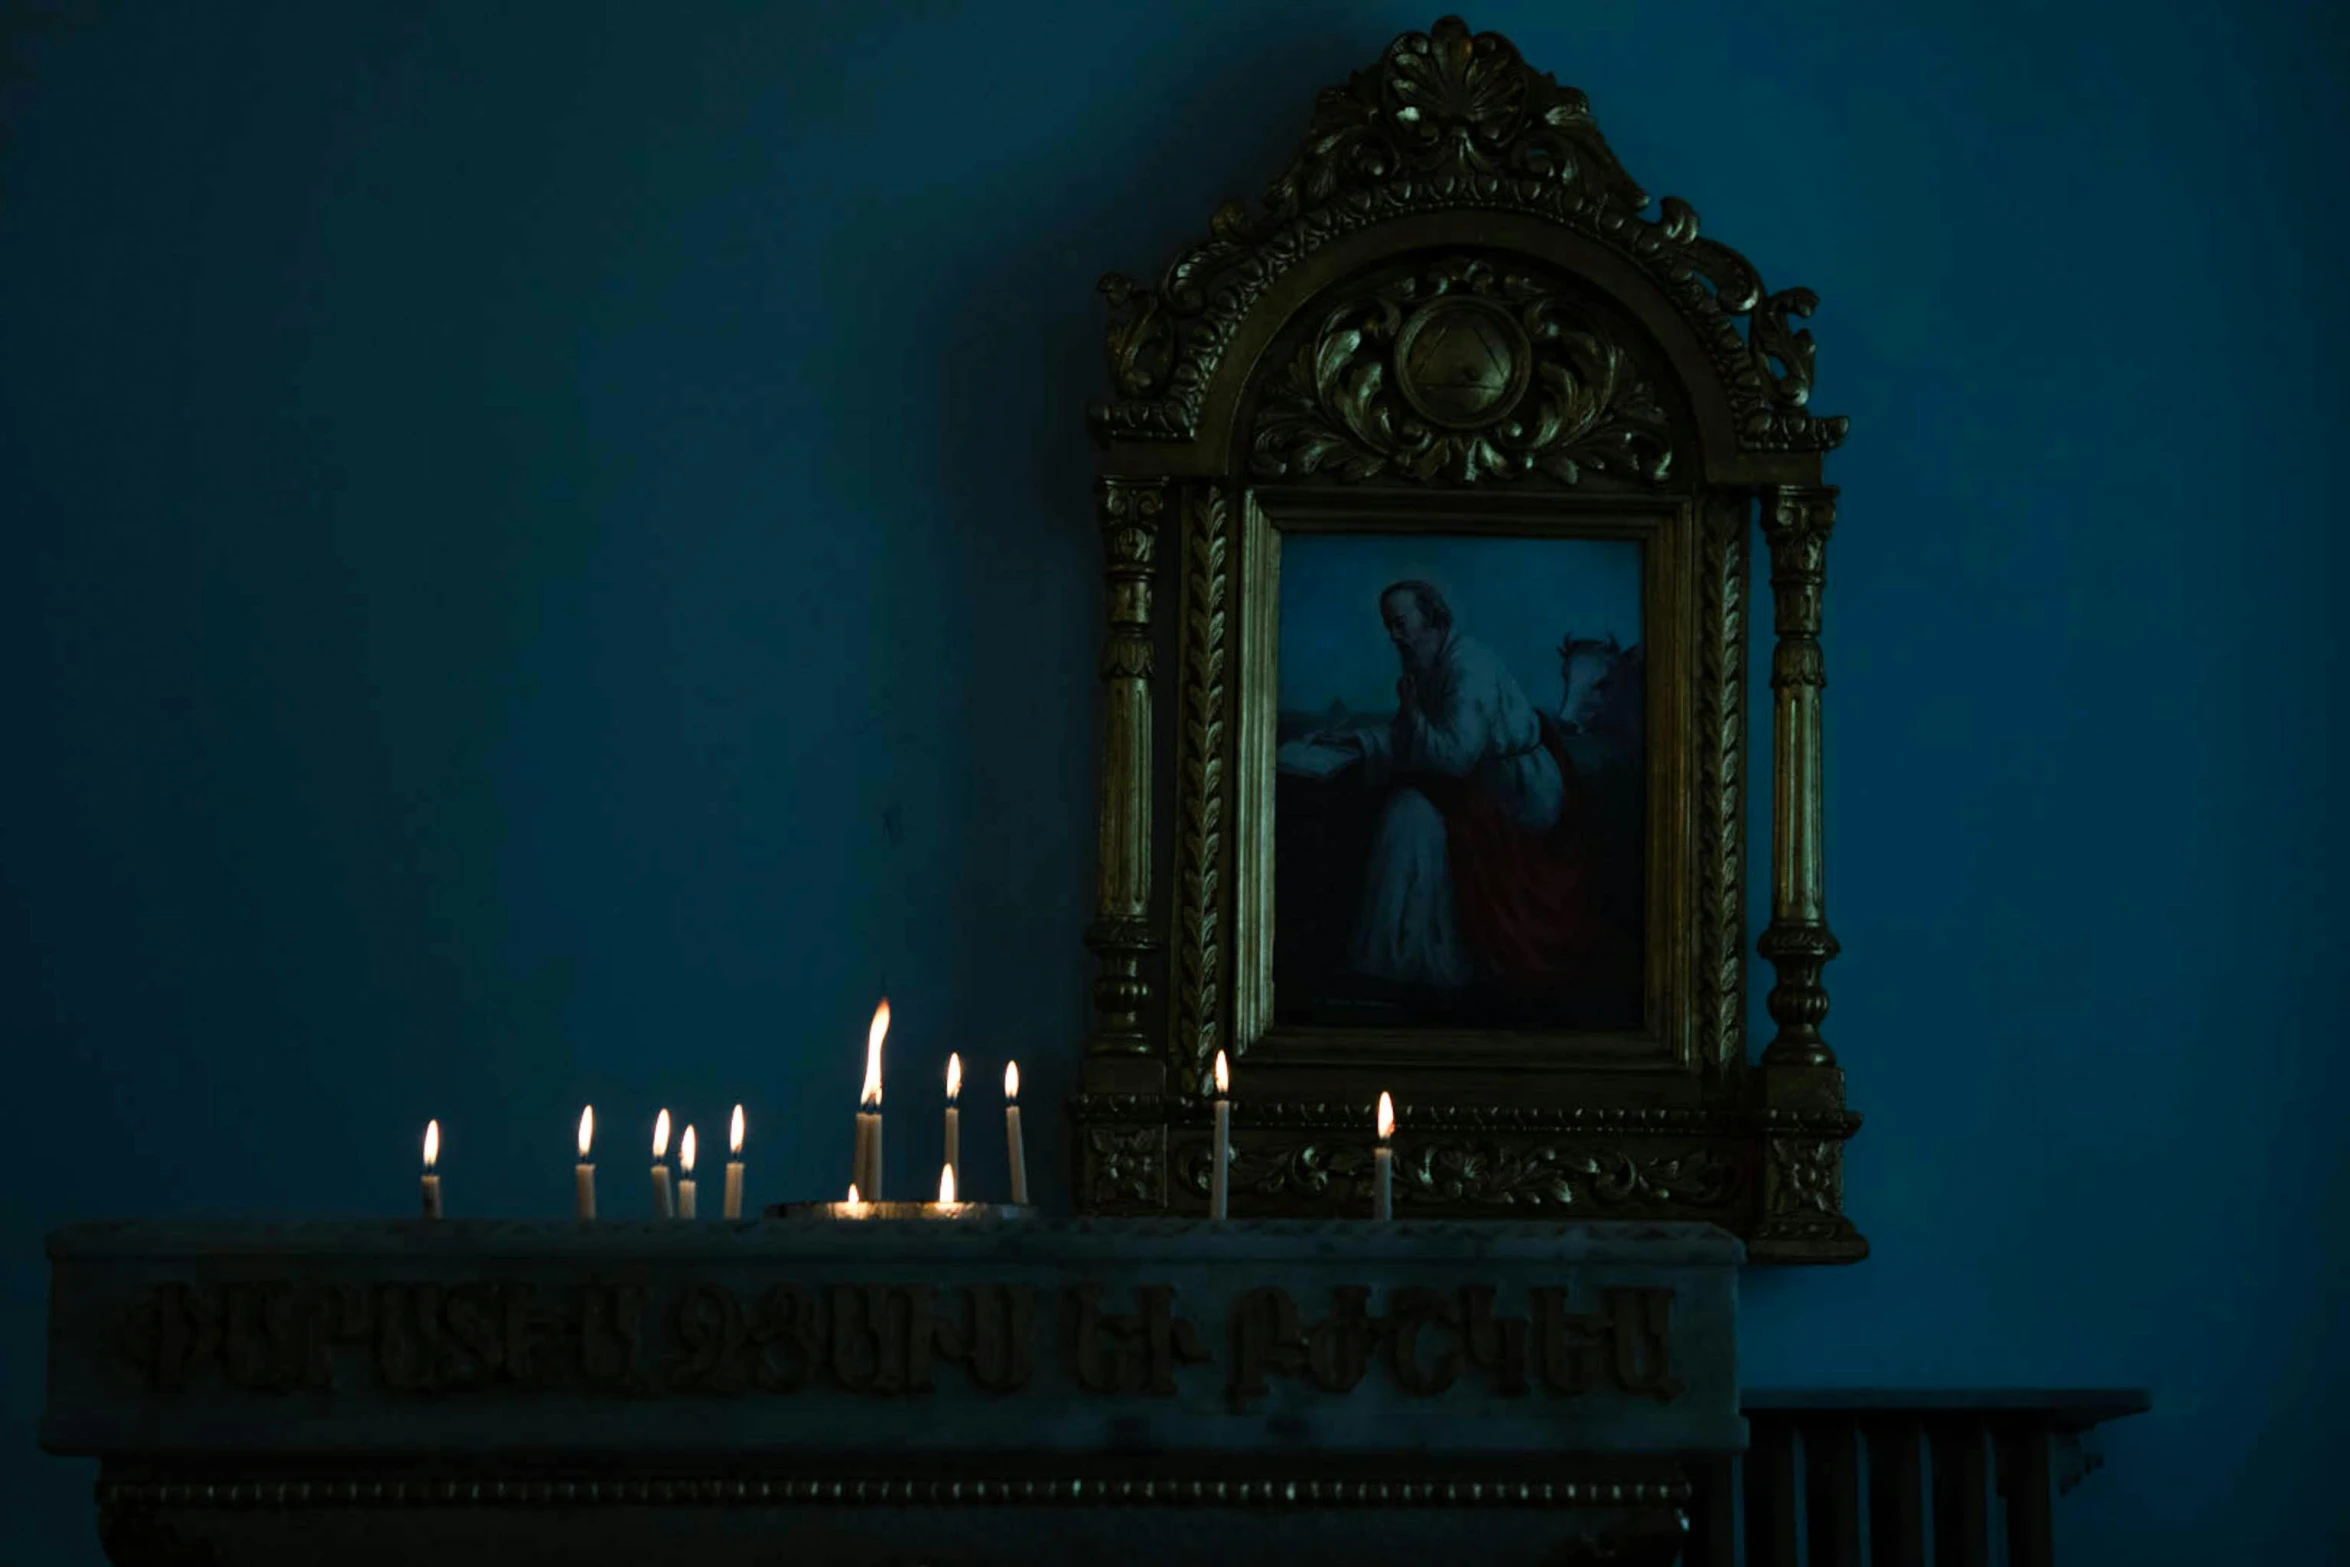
[(1866, 1478)]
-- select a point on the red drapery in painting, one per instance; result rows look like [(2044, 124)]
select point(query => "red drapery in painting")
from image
[(1529, 904)]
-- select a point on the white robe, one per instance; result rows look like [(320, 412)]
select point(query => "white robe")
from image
[(1470, 721)]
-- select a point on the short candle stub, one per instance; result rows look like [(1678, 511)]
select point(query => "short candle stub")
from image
[(929, 1210)]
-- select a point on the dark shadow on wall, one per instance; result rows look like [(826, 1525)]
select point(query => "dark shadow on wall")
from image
[(1003, 349)]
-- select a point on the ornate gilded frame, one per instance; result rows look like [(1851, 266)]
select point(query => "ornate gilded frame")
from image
[(1257, 387)]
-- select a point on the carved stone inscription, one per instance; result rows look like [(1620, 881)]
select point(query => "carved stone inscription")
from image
[(1428, 1339), (885, 1340)]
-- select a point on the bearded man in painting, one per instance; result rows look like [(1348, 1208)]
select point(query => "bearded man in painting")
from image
[(1479, 868)]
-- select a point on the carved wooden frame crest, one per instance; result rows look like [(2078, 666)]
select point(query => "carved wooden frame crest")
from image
[(1288, 373)]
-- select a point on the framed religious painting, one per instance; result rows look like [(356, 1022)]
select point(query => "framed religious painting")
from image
[(1459, 792), (1431, 493)]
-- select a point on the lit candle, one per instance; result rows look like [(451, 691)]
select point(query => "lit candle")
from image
[(432, 1182), (868, 1171), (1219, 1173), (946, 1186), (1383, 1163), (954, 1148), (664, 1201), (1018, 1149), (734, 1166), (685, 1176), (586, 1173)]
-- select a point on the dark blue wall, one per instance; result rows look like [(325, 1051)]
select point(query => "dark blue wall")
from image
[(548, 558)]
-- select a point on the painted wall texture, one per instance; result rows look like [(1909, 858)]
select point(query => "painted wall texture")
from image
[(548, 558)]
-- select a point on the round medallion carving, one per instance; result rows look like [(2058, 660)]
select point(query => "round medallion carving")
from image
[(1462, 362)]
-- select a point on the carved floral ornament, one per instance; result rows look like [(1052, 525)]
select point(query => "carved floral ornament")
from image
[(1447, 120), (1466, 372), (1492, 1174)]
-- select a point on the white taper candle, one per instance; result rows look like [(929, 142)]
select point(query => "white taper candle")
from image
[(954, 1131), (1220, 1160), (1383, 1163), (734, 1166), (869, 1100), (1014, 1146), (664, 1200), (432, 1179), (584, 1178)]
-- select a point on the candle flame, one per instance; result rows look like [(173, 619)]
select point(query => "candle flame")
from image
[(685, 1152), (853, 1197), (1223, 1076), (954, 1075), (734, 1133), (946, 1183), (874, 1035), (1011, 1079), (587, 1129), (432, 1145), (1386, 1118), (661, 1135)]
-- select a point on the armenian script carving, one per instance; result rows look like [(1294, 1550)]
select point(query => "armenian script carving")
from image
[(881, 1339)]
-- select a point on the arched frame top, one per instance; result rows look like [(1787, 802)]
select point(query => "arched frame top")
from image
[(1451, 139), (1218, 446)]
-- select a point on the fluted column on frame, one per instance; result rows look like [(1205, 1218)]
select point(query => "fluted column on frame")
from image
[(1798, 943), (1129, 511), (1801, 1088)]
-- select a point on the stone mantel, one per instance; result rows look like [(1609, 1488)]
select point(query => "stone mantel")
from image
[(843, 1386)]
